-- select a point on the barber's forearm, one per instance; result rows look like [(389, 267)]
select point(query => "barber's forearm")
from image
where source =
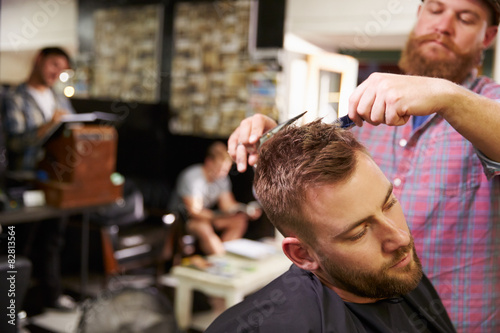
[(475, 117)]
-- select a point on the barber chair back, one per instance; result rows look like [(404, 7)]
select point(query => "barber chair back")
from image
[(128, 241)]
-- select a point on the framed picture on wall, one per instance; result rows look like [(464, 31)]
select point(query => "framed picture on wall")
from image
[(214, 83)]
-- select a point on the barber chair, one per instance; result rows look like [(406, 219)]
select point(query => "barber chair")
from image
[(14, 287), (129, 242), (178, 242)]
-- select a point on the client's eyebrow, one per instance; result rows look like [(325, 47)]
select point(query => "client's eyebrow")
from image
[(354, 225)]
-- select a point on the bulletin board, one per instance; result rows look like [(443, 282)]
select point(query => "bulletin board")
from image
[(126, 55), (214, 83)]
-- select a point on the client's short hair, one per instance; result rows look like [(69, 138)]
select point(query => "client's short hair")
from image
[(299, 158)]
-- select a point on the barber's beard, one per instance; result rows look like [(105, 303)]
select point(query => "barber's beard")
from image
[(454, 68), (385, 283)]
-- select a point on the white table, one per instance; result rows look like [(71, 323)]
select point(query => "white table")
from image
[(244, 276)]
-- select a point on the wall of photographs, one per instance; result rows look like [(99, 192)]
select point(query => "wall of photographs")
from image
[(214, 82), (126, 53)]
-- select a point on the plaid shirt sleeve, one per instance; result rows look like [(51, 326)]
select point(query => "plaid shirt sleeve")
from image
[(19, 127), (23, 117)]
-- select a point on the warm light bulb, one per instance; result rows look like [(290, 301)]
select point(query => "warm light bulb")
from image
[(69, 91), (64, 76)]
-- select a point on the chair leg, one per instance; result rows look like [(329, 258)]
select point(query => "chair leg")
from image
[(173, 248), (111, 266)]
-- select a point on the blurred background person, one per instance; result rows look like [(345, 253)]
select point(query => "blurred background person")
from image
[(204, 198), (31, 109)]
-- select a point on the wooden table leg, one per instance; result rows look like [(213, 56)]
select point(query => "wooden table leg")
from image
[(183, 305)]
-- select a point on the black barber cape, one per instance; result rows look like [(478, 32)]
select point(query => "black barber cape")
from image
[(298, 302)]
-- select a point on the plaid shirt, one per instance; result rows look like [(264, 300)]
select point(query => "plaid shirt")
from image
[(23, 117), (450, 194)]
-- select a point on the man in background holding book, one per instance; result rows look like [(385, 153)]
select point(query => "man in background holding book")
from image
[(30, 111), (34, 107)]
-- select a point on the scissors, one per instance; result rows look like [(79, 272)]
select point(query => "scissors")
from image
[(269, 134), (342, 122)]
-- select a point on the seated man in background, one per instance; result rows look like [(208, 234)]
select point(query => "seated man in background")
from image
[(203, 187), (355, 268)]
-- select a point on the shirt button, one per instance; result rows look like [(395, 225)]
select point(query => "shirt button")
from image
[(397, 182), (403, 142)]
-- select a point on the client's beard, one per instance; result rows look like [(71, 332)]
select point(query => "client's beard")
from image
[(377, 284), (456, 69)]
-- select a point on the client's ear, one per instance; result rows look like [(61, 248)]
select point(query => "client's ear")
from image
[(299, 253)]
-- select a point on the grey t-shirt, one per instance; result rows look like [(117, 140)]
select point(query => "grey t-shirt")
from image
[(192, 183)]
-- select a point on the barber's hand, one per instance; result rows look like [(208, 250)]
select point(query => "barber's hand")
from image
[(242, 142), (391, 99)]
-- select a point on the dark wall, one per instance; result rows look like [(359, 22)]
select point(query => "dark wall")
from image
[(147, 151), (152, 157)]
